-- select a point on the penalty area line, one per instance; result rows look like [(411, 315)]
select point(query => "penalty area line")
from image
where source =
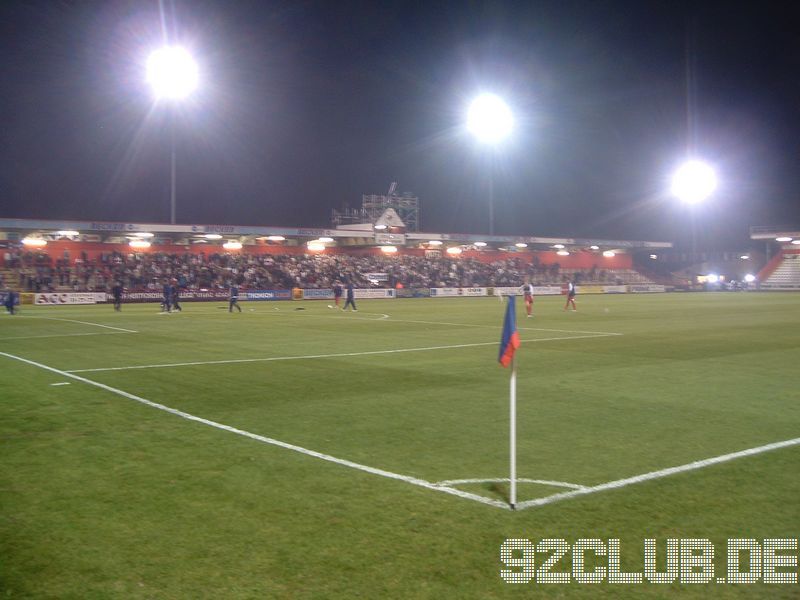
[(82, 323), (266, 440)]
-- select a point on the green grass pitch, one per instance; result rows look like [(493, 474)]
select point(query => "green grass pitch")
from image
[(102, 496)]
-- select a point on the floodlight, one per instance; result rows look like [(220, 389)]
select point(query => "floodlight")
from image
[(315, 246), (68, 232), (594, 247), (143, 234), (609, 254), (654, 256), (712, 278), (745, 257), (139, 244), (454, 250), (172, 72), (480, 244), (380, 226), (558, 246), (435, 243), (489, 119), (275, 238), (232, 245), (388, 249), (563, 253), (325, 239), (783, 238), (694, 182), (521, 245), (34, 242), (213, 236), (796, 241), (749, 278)]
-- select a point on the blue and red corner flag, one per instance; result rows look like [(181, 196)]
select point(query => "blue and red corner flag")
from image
[(510, 340)]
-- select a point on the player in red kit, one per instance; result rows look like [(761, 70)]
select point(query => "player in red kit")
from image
[(527, 293)]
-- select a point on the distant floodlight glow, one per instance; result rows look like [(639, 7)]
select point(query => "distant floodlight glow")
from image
[(143, 234), (609, 254), (380, 226), (594, 247), (454, 250), (275, 238), (34, 242), (712, 278), (654, 256), (521, 245), (232, 245), (325, 240), (745, 257), (749, 278), (435, 243), (213, 236), (796, 241), (67, 232), (388, 249), (315, 246), (489, 119), (172, 72), (694, 182), (558, 246), (139, 244), (783, 238), (480, 244), (563, 253)]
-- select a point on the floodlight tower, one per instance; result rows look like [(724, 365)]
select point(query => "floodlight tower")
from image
[(491, 121), (173, 75)]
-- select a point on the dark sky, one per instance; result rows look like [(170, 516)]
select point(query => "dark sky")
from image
[(305, 106)]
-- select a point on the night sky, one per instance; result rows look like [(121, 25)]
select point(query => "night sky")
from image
[(305, 106)]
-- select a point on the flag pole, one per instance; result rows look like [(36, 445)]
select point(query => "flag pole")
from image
[(513, 434)]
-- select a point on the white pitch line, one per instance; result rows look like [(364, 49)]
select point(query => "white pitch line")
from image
[(574, 486), (260, 438), (81, 322), (495, 327), (315, 356), (55, 335), (692, 466)]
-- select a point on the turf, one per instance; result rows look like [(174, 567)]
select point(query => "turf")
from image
[(104, 497)]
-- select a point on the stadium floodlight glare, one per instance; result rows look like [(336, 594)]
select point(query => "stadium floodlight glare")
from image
[(380, 226), (172, 72), (139, 244), (315, 246), (325, 240), (275, 238), (558, 246), (143, 234), (594, 247), (712, 278), (609, 254), (454, 250), (749, 278), (232, 245), (388, 249), (563, 253), (796, 241), (783, 238), (489, 119), (654, 256), (435, 243), (480, 244), (213, 236), (745, 257), (34, 242), (521, 245), (68, 232), (694, 182)]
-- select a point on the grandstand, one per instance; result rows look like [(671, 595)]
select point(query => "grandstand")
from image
[(782, 272)]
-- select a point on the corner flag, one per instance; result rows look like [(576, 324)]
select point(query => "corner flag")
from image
[(510, 340)]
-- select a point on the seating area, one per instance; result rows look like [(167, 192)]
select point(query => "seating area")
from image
[(786, 275)]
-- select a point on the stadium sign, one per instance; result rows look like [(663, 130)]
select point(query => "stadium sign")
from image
[(646, 288), (317, 294), (374, 293), (56, 298), (268, 295), (450, 292)]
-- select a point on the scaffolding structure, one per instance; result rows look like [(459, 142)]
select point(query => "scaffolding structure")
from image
[(406, 205)]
